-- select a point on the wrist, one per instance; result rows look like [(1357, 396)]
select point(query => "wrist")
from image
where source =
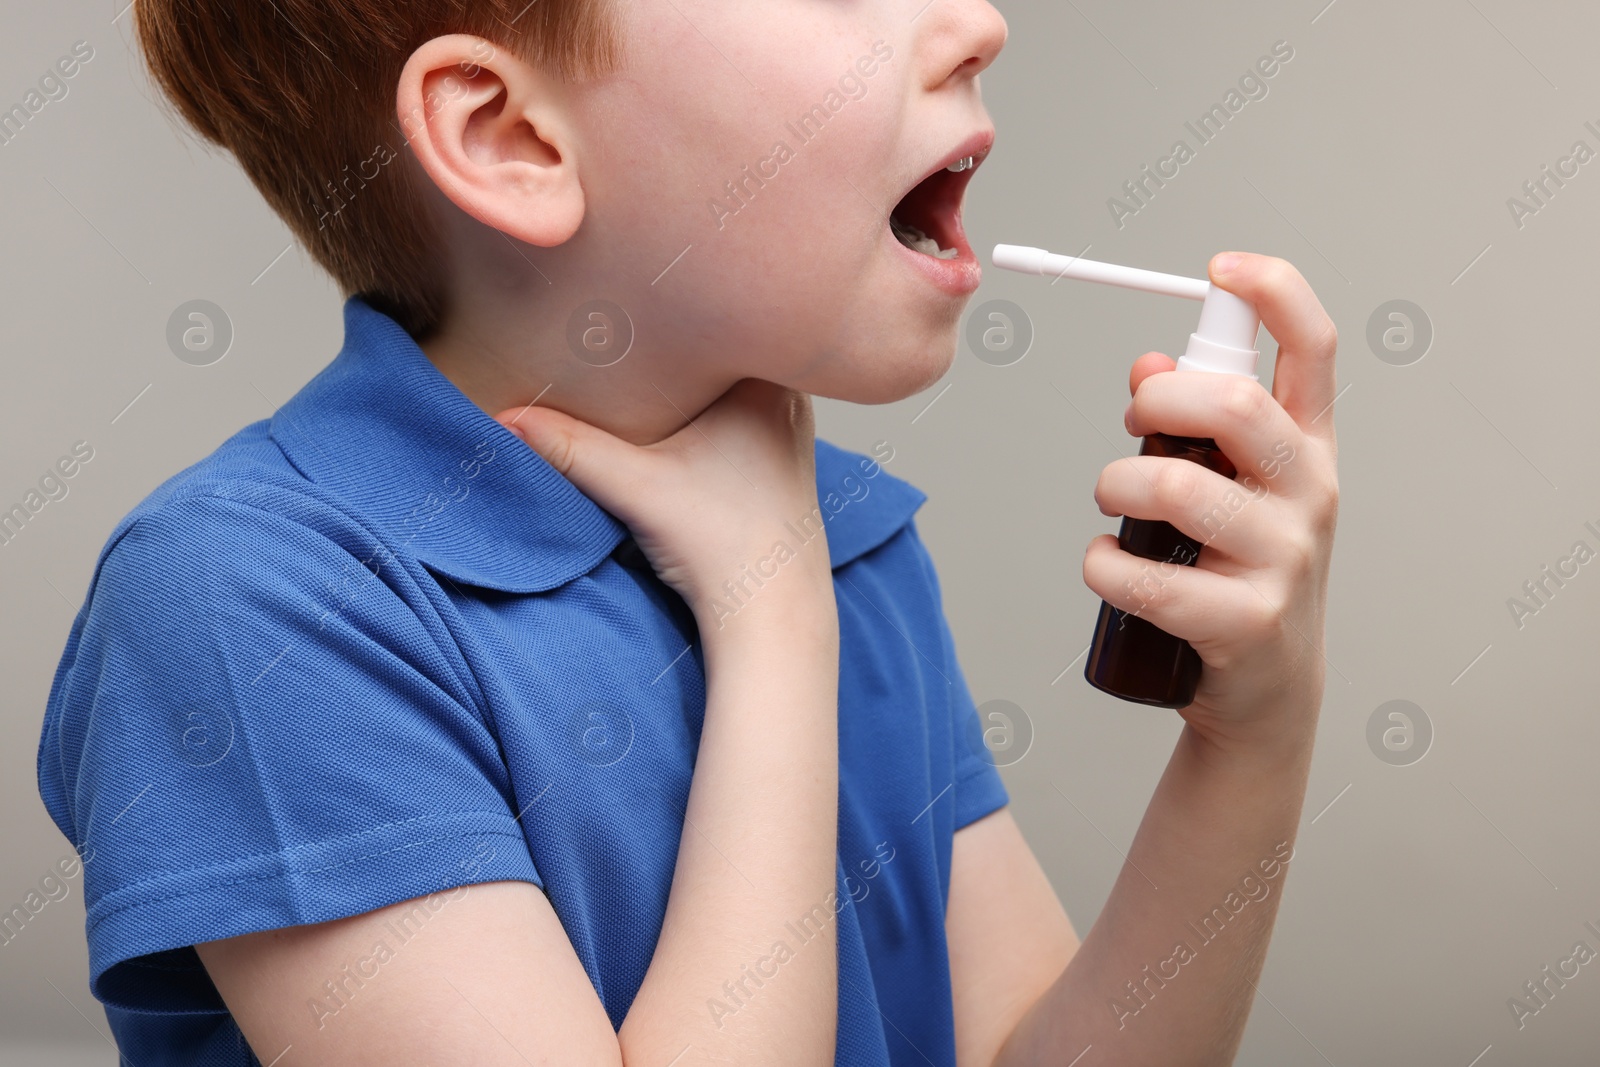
[(1283, 749), (799, 583), (783, 607)]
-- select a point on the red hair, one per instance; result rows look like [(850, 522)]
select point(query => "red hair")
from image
[(302, 93)]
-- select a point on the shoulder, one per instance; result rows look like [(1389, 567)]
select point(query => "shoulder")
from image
[(224, 505), (220, 569)]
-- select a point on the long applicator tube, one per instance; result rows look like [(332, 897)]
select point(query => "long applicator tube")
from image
[(1038, 261), (1225, 340)]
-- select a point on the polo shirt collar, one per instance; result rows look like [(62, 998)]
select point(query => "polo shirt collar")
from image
[(409, 453)]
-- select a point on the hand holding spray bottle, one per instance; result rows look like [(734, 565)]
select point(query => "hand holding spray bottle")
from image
[(1130, 657)]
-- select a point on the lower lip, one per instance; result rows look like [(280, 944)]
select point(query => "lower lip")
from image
[(958, 276)]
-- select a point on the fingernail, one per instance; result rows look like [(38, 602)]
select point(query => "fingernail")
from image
[(1225, 263), (1127, 419)]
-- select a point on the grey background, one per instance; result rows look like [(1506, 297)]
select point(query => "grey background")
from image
[(1380, 163)]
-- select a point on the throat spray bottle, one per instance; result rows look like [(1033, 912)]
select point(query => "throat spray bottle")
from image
[(1130, 657)]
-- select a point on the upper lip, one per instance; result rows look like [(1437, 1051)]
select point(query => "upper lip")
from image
[(977, 145)]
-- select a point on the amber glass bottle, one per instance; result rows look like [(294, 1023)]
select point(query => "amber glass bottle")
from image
[(1131, 657)]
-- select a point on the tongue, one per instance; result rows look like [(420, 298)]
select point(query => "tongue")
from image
[(918, 241)]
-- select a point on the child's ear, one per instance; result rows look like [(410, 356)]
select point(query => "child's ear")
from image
[(491, 131)]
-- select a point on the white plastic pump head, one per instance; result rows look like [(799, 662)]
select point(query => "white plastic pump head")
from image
[(1225, 340), (1223, 343)]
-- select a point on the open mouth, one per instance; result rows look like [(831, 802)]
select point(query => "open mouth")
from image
[(928, 218)]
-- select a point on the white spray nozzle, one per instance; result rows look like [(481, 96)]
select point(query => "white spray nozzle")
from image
[(1223, 343)]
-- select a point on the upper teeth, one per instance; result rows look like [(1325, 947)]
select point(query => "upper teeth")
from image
[(965, 163)]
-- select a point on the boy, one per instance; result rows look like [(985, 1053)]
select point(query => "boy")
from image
[(533, 687)]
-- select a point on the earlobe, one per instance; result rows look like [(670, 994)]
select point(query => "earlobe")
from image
[(490, 131)]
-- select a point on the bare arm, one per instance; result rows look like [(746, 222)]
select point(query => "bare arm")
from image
[(490, 978), (758, 850), (1008, 934), (1165, 975)]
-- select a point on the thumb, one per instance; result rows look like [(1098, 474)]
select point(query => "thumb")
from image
[(601, 465)]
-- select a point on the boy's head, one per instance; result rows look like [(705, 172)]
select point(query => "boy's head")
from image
[(721, 171)]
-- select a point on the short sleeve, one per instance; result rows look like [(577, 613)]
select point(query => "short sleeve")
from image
[(258, 723), (976, 784)]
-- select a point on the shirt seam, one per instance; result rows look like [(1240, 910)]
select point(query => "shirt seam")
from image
[(958, 809), (973, 767), (99, 919)]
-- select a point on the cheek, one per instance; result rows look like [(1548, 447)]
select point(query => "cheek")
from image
[(786, 246), (687, 147), (799, 210), (734, 183)]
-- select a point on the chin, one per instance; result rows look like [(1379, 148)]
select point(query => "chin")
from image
[(865, 377)]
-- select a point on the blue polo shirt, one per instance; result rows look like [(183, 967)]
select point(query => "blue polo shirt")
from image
[(375, 648)]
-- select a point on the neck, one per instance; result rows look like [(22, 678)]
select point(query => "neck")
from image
[(642, 399)]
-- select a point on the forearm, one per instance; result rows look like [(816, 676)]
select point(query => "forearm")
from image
[(1166, 975), (758, 850)]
